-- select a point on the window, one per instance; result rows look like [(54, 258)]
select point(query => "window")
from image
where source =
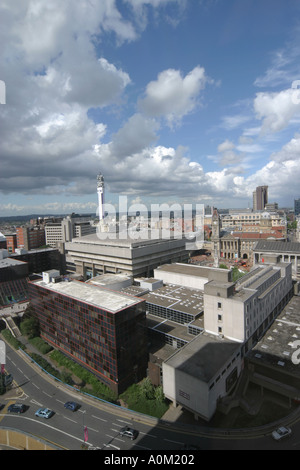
[(219, 317), (219, 305)]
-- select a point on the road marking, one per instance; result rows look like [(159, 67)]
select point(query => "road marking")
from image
[(101, 419), (66, 417), (36, 403), (92, 429), (122, 421), (51, 427), (147, 434), (174, 442), (111, 445)]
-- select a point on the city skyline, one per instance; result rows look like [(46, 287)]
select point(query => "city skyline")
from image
[(171, 100)]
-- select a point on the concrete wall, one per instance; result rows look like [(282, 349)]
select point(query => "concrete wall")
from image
[(227, 314), (17, 440)]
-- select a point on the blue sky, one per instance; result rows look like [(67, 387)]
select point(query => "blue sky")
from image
[(188, 101)]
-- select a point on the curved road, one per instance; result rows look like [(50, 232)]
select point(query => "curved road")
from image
[(100, 423)]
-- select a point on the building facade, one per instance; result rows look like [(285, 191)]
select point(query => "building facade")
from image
[(67, 229), (243, 310), (260, 198), (236, 315), (30, 238), (102, 330), (92, 255), (288, 252)]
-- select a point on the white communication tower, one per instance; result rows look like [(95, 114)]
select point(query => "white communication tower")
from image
[(100, 192)]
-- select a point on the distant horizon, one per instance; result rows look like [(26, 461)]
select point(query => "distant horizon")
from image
[(85, 214)]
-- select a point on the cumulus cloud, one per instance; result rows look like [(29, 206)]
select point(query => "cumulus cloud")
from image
[(172, 96), (227, 154), (49, 145), (277, 109)]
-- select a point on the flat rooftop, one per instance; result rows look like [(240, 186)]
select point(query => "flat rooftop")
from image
[(277, 346), (188, 269), (178, 298), (170, 328), (122, 240), (8, 262), (203, 357), (91, 294), (277, 247)]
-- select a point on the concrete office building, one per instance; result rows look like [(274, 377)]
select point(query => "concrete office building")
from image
[(236, 315), (67, 229), (92, 255), (103, 330), (241, 310), (30, 238)]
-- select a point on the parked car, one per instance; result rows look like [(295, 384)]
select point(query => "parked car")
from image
[(129, 432), (16, 408), (281, 433), (44, 413), (71, 405)]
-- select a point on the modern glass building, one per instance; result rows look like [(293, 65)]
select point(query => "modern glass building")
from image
[(104, 331)]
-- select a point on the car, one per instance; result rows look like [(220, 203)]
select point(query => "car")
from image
[(281, 433), (16, 408), (71, 405), (44, 413), (129, 432)]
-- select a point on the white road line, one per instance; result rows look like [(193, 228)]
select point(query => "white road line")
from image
[(111, 445), (36, 403), (69, 419), (114, 437), (174, 442), (101, 419), (147, 434), (92, 429), (51, 427), (63, 402)]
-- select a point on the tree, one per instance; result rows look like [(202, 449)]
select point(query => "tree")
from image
[(30, 327), (147, 389)]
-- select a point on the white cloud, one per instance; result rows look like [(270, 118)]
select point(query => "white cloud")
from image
[(233, 122), (276, 110), (172, 96)]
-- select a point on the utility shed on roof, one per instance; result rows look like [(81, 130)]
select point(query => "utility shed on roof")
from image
[(190, 275)]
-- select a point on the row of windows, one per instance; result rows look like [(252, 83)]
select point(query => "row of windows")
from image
[(169, 314)]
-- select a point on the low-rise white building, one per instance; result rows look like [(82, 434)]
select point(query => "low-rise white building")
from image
[(201, 372)]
